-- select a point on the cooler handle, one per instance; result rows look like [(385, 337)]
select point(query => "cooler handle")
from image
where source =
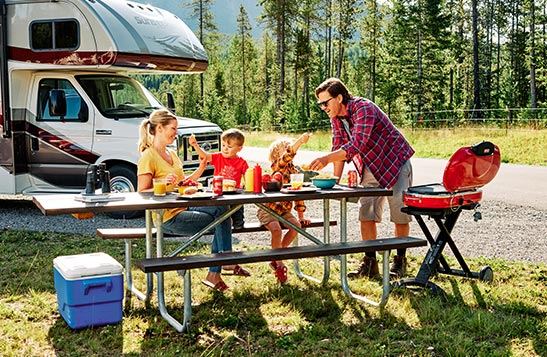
[(106, 282)]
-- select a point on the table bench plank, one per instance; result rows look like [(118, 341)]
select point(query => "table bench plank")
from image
[(154, 265), (137, 233)]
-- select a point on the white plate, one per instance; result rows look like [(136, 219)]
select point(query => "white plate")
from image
[(302, 190), (197, 196), (234, 192)]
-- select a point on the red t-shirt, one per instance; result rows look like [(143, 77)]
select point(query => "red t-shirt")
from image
[(231, 169)]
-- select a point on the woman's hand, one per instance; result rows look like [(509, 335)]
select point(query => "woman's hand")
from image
[(172, 179), (192, 140), (202, 161)]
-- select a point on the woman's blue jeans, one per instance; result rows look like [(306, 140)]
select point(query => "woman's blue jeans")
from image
[(195, 219)]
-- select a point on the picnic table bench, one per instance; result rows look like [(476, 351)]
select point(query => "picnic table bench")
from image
[(128, 234)]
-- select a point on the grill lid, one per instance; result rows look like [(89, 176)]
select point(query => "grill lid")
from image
[(471, 167)]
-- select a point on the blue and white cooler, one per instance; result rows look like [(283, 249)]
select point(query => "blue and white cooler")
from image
[(89, 289)]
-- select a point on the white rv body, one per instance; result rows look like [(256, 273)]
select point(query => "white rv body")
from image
[(80, 53)]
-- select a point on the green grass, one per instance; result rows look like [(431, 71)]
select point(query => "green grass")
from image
[(257, 317), (517, 146)]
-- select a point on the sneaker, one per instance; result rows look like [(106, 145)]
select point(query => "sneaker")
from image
[(398, 267), (281, 273), (368, 268)]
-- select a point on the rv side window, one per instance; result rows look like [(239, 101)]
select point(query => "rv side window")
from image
[(54, 35), (76, 108)]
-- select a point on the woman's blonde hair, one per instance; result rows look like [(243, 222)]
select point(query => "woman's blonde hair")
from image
[(275, 148), (147, 129)]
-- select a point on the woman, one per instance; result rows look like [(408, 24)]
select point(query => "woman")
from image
[(158, 161)]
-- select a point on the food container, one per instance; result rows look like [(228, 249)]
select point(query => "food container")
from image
[(89, 289), (324, 182), (271, 186), (228, 185)]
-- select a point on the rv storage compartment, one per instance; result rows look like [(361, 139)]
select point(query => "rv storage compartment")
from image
[(89, 289)]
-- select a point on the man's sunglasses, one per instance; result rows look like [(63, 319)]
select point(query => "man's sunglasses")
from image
[(324, 103)]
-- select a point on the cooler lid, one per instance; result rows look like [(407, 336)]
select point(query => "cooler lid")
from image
[(471, 167), (85, 265)]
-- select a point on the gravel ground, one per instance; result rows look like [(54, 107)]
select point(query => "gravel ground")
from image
[(511, 232)]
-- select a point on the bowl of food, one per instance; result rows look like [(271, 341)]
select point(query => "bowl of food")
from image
[(324, 181), (272, 186)]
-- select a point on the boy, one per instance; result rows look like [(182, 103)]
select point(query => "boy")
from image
[(227, 163)]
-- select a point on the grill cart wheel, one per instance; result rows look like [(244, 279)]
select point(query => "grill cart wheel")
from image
[(486, 274)]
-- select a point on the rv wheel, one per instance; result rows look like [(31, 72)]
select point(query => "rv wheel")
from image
[(123, 179)]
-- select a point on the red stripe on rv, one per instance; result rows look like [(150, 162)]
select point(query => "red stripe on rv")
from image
[(80, 58), (61, 143)]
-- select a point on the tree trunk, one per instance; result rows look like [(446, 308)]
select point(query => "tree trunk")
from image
[(476, 64)]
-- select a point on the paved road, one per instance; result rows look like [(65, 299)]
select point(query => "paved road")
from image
[(514, 184)]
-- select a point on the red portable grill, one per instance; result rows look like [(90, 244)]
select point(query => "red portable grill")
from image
[(468, 169)]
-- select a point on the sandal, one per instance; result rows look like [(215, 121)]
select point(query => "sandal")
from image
[(219, 286), (238, 270), (281, 273)]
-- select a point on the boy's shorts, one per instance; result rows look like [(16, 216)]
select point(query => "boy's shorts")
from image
[(371, 208), (265, 218)]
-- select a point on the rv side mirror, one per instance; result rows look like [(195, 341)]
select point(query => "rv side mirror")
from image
[(57, 103), (170, 102)]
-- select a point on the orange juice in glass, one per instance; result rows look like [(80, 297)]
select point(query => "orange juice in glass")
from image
[(297, 181), (160, 186)]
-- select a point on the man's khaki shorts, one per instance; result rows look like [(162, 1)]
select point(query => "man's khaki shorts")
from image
[(371, 208)]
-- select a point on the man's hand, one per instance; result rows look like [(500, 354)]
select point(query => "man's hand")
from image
[(319, 163)]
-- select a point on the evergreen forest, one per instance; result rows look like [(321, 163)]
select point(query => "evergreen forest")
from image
[(426, 63)]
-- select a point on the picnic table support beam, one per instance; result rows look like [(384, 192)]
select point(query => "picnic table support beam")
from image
[(129, 276), (386, 286), (161, 293), (326, 259), (149, 280)]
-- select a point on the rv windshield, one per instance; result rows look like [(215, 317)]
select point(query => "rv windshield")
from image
[(118, 97)]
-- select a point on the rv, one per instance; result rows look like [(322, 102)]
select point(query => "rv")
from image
[(67, 97)]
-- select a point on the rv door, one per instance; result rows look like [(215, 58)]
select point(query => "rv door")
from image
[(61, 140)]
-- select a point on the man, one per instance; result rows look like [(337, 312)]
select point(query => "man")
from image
[(363, 133)]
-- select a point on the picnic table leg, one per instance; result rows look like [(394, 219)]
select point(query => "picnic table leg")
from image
[(128, 257), (161, 293), (386, 286), (326, 239), (128, 276), (149, 243)]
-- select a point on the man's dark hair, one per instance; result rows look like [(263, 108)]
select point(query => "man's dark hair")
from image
[(334, 86)]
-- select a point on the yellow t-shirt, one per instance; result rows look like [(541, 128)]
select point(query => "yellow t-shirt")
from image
[(152, 163)]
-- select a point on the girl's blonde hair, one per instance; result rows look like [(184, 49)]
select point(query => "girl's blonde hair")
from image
[(277, 148), (147, 129)]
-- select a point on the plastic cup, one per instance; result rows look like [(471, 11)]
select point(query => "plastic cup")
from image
[(297, 181), (160, 186)]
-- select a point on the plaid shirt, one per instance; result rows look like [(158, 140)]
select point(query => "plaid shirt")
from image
[(373, 141), (286, 167)]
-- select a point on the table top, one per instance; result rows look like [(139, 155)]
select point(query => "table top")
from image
[(67, 204)]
